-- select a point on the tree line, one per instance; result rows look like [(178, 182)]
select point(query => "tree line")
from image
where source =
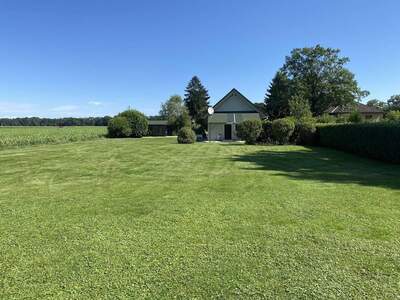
[(35, 121)]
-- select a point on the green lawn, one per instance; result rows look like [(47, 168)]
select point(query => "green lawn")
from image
[(149, 218)]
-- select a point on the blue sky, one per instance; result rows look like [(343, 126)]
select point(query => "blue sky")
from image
[(91, 58)]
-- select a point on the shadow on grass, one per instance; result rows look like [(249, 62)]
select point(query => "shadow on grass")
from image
[(325, 165)]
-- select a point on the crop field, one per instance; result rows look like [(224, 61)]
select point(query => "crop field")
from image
[(23, 136)]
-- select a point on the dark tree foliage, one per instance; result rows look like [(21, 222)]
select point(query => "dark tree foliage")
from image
[(394, 102), (277, 97), (377, 103), (34, 121), (196, 100)]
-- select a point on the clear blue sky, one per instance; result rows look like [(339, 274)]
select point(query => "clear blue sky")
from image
[(86, 58)]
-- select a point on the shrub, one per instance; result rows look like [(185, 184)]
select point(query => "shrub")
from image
[(265, 136), (341, 119), (326, 118), (393, 115), (355, 117), (186, 136), (118, 127), (137, 122), (376, 140), (282, 130), (249, 131), (306, 133)]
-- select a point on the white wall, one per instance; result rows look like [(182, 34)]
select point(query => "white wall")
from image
[(216, 131)]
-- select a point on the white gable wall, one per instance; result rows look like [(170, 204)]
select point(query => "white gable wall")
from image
[(232, 109)]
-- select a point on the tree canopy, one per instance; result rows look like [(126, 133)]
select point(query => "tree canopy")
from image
[(196, 100), (277, 96), (316, 74), (394, 102), (175, 111)]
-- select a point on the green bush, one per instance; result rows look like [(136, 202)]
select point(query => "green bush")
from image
[(282, 130), (265, 136), (356, 117), (375, 140), (249, 131), (326, 118), (304, 133), (118, 127), (393, 115), (341, 119), (186, 136), (137, 122)]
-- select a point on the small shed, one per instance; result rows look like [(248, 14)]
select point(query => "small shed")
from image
[(159, 128)]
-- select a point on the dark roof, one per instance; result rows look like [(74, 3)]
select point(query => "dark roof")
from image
[(235, 91), (360, 107)]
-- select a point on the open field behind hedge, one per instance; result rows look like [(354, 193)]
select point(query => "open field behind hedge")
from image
[(33, 135), (150, 218)]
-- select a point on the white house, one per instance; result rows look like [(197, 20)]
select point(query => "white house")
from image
[(229, 111)]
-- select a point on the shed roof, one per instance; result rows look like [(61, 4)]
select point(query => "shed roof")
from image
[(158, 122), (360, 107)]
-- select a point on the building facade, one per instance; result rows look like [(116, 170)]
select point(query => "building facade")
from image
[(231, 110)]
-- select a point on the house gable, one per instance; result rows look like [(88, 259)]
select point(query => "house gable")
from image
[(234, 102)]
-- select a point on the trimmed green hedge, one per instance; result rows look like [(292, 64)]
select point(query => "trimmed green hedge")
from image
[(375, 140)]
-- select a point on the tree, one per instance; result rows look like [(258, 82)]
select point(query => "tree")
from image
[(196, 100), (376, 103), (277, 97), (320, 74), (299, 108), (394, 102), (175, 112)]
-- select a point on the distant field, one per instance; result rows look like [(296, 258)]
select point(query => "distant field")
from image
[(23, 136)]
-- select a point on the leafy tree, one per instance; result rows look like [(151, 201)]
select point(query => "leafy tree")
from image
[(299, 108), (196, 100), (175, 111), (394, 102), (320, 74), (277, 97), (377, 103)]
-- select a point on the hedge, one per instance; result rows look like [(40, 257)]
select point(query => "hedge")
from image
[(249, 131), (375, 140)]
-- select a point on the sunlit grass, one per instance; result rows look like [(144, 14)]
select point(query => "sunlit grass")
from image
[(148, 218)]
